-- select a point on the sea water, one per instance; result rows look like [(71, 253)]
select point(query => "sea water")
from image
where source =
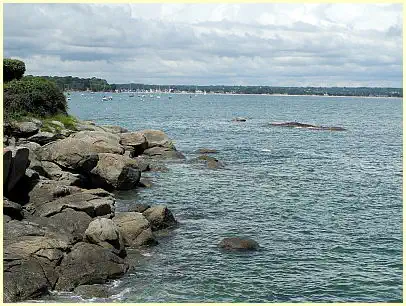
[(325, 206)]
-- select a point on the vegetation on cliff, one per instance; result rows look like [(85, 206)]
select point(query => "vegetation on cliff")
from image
[(34, 96)]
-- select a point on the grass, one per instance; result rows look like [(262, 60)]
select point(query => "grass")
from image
[(47, 125)]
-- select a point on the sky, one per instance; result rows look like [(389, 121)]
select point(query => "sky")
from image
[(210, 44)]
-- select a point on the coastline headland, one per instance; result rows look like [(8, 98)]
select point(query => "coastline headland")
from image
[(61, 230)]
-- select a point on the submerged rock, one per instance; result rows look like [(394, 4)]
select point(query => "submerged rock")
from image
[(209, 161), (206, 151), (237, 243), (295, 124)]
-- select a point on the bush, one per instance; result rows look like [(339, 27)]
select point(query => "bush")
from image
[(12, 69), (33, 95)]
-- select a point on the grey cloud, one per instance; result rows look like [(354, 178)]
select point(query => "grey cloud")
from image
[(78, 35)]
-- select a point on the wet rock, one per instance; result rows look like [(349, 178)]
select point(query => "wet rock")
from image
[(139, 208), (210, 162), (115, 172), (89, 264), (206, 151), (163, 153), (160, 217), (294, 124), (135, 228), (92, 291), (237, 243)]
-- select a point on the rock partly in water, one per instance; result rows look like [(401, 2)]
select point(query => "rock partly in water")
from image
[(139, 208), (238, 244), (239, 119), (135, 228), (115, 172), (160, 217), (206, 151), (89, 264), (294, 124), (210, 162), (156, 138), (92, 291), (163, 153)]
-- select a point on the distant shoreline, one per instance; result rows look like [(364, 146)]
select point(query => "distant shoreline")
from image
[(245, 94)]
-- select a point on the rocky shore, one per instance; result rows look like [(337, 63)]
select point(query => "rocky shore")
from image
[(61, 231)]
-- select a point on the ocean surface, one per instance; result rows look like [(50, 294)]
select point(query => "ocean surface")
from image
[(325, 207)]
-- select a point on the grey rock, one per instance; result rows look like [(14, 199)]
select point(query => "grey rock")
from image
[(140, 208), (11, 209), (135, 142), (206, 151), (89, 264), (94, 202), (239, 244), (156, 138), (160, 217), (135, 228), (115, 172), (18, 166), (92, 291), (163, 153), (43, 138), (24, 128), (210, 162), (105, 233), (114, 129)]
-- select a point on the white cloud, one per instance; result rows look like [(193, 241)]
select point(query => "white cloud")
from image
[(265, 44)]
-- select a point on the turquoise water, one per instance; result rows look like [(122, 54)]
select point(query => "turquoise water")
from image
[(326, 207)]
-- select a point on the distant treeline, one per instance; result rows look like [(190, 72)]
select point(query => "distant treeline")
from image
[(96, 84)]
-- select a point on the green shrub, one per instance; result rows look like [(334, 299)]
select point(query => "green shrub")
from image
[(12, 69), (33, 95)]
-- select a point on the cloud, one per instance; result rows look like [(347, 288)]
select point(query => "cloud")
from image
[(250, 44)]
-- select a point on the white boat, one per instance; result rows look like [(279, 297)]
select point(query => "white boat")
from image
[(104, 99)]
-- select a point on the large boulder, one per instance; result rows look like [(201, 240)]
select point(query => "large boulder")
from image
[(71, 153), (135, 228), (134, 142), (31, 254), (18, 165), (105, 233), (69, 222), (239, 244), (156, 138), (48, 190), (94, 202), (100, 141), (115, 172), (160, 217), (24, 128), (89, 264)]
